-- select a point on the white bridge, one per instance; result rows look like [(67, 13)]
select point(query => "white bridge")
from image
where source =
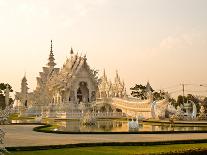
[(114, 108), (133, 107)]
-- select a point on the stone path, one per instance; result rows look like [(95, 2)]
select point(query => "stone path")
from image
[(22, 135)]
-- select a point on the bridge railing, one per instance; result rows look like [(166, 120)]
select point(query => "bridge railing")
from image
[(127, 104), (79, 115)]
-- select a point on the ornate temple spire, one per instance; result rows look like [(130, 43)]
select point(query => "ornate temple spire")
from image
[(123, 83), (104, 77), (104, 73), (117, 78), (148, 87), (71, 51), (24, 87), (85, 58), (51, 59), (117, 74)]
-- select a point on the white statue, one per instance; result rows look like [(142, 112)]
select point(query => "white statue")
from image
[(202, 115), (194, 113), (133, 124)]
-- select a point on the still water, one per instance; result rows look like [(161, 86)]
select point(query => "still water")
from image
[(111, 125)]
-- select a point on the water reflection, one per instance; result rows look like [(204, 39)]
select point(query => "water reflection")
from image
[(120, 126), (23, 121), (111, 125)]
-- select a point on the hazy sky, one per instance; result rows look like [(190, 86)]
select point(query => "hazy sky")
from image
[(163, 41)]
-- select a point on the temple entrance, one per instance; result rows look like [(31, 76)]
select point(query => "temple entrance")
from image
[(83, 93)]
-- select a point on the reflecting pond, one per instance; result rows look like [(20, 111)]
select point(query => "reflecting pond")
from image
[(111, 125)]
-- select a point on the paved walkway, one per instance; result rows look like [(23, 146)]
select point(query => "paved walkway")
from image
[(22, 135)]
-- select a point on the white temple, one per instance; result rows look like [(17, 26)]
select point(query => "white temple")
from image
[(74, 89)]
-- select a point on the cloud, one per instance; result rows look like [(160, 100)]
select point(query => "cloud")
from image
[(82, 7), (184, 41), (79, 9), (179, 41)]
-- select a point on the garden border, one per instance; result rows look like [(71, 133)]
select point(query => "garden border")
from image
[(39, 129), (48, 147)]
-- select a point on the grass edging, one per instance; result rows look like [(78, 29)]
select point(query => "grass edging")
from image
[(176, 122), (48, 147), (41, 129)]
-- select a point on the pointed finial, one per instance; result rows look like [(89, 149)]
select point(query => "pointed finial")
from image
[(71, 50), (51, 45), (148, 86), (123, 83), (51, 59), (104, 72), (84, 58), (24, 77), (117, 75), (7, 86)]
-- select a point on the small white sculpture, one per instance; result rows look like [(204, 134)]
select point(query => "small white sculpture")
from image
[(202, 115), (133, 124), (194, 113)]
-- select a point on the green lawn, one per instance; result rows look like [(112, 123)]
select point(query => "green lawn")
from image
[(16, 117), (109, 150)]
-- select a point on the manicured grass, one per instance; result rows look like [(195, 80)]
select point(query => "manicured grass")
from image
[(13, 116), (109, 150), (49, 128), (16, 117)]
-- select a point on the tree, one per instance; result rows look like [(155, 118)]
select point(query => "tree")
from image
[(3, 88), (184, 99), (193, 98), (2, 95), (139, 91), (181, 99), (173, 102), (158, 95), (205, 103)]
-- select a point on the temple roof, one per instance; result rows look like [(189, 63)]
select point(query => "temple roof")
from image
[(70, 69)]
